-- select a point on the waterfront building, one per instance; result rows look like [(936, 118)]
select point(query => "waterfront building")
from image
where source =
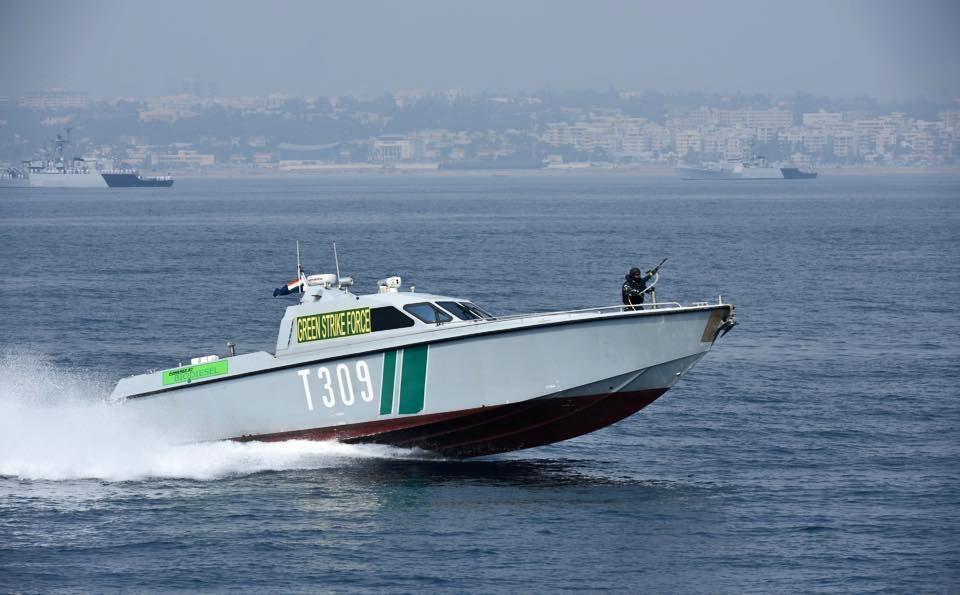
[(822, 119), (774, 118), (55, 99), (390, 148), (688, 141), (184, 159), (844, 144)]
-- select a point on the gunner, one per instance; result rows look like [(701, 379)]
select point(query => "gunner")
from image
[(634, 287)]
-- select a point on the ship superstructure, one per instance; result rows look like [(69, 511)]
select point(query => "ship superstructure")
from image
[(13, 177), (60, 173)]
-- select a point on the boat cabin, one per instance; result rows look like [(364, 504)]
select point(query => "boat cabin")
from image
[(328, 311)]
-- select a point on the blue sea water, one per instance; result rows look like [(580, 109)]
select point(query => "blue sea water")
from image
[(814, 449)]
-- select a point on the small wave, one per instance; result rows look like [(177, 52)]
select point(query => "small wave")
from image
[(57, 424)]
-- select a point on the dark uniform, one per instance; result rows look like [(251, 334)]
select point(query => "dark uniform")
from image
[(634, 285)]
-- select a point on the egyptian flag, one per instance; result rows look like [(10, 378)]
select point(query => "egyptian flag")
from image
[(290, 287)]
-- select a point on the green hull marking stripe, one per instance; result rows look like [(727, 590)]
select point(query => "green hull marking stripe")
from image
[(197, 372), (386, 387), (413, 379)]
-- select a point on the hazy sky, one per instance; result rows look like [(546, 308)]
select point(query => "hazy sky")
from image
[(886, 49)]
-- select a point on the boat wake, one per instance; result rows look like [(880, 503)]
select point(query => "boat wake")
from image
[(56, 424)]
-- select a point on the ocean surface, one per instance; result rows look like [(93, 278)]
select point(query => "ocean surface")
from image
[(815, 448)]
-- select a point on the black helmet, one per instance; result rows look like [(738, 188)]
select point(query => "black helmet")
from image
[(635, 272)]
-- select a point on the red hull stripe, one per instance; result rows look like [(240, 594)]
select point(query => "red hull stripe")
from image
[(488, 430)]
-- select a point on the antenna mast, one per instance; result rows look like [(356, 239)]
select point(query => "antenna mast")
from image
[(336, 261), (299, 269)]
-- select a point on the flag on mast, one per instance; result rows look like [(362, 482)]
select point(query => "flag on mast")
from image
[(292, 286)]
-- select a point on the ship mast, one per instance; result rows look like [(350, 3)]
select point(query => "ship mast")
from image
[(300, 275)]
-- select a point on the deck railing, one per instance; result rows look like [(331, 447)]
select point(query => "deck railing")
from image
[(601, 310)]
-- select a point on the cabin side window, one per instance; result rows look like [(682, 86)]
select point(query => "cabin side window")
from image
[(388, 318), (427, 312)]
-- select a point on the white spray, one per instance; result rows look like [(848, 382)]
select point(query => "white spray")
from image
[(55, 424)]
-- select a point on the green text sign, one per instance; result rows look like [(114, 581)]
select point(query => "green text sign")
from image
[(333, 325), (188, 373)]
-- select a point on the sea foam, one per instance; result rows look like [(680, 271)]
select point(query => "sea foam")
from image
[(57, 424)]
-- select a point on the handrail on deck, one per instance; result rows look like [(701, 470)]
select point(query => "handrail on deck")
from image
[(654, 305), (600, 310)]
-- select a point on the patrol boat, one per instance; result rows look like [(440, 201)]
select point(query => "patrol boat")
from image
[(439, 373)]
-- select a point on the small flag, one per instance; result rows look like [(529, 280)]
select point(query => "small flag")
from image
[(290, 287)]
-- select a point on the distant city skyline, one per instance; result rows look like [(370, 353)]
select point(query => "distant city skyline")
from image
[(419, 131), (886, 49)]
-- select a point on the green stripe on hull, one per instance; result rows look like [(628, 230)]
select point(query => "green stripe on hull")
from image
[(413, 379), (386, 386)]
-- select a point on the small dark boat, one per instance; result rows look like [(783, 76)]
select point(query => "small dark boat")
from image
[(132, 179), (795, 173)]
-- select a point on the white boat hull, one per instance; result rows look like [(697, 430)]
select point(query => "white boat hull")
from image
[(461, 389)]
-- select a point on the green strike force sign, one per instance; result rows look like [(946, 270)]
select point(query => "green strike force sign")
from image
[(197, 372), (333, 325)]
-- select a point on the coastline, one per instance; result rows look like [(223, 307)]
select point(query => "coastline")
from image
[(654, 170)]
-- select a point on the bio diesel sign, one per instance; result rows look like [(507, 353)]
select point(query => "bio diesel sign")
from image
[(333, 325), (189, 373)]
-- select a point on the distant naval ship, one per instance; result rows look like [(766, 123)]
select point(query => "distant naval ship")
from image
[(61, 174), (56, 172), (795, 173), (754, 169), (133, 179)]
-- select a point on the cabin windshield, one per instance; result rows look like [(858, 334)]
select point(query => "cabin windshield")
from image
[(476, 310), (458, 310), (427, 312)]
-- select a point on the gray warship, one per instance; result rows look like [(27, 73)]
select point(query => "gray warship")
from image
[(752, 169), (439, 373)]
